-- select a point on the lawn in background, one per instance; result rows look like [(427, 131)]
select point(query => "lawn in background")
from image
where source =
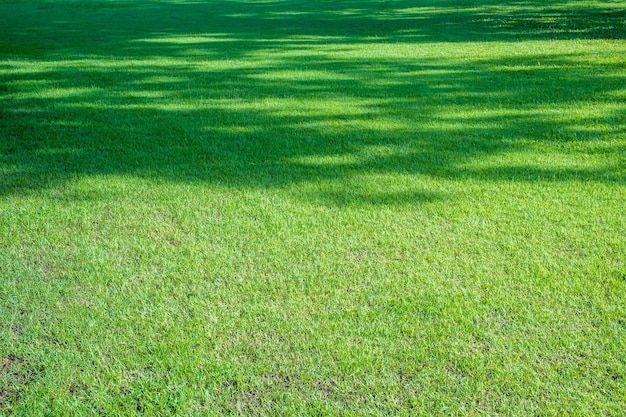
[(312, 207)]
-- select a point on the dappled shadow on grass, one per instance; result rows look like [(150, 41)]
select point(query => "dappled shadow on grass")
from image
[(229, 29), (281, 94)]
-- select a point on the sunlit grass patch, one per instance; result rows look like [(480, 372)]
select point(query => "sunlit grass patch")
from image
[(312, 208)]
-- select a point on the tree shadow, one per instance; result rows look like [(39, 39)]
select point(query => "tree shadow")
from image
[(262, 95)]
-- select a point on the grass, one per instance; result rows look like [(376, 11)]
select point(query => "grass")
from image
[(312, 207)]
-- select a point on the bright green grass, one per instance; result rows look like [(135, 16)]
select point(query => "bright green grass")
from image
[(312, 207)]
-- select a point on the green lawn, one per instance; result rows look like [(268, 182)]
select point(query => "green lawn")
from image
[(308, 207)]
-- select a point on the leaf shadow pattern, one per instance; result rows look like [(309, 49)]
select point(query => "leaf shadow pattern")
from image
[(273, 94)]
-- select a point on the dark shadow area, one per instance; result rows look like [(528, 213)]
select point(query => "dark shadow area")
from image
[(266, 94), (244, 25)]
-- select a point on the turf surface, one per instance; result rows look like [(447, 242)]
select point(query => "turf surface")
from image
[(312, 207)]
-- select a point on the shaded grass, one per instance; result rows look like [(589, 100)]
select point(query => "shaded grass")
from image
[(312, 208)]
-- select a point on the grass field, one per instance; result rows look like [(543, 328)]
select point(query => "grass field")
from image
[(311, 207)]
